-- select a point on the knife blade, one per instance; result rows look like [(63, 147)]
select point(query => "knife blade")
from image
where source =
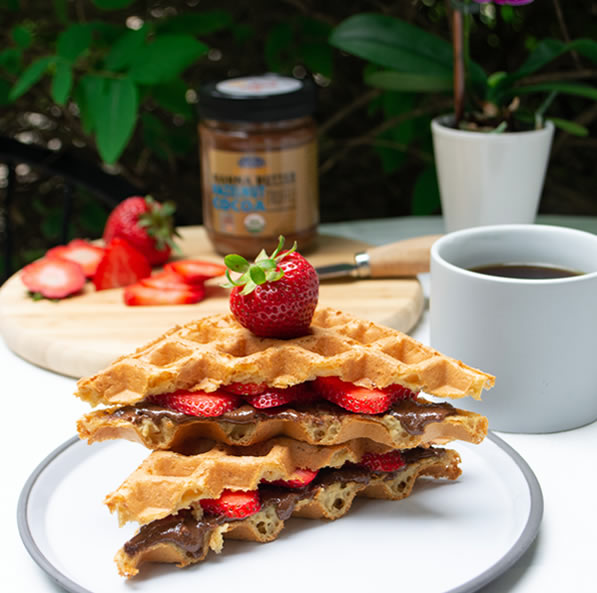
[(407, 257)]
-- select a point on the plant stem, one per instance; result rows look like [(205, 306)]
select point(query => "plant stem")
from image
[(459, 84)]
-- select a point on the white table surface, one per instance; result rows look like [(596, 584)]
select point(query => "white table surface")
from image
[(561, 559)]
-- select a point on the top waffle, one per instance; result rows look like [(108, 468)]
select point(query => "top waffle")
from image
[(216, 350)]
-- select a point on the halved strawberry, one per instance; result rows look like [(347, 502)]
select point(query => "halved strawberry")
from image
[(169, 280), (245, 388), (53, 278), (139, 295), (120, 265), (383, 462), (196, 270), (233, 504), (274, 396), (198, 403), (86, 254), (352, 397), (299, 478)]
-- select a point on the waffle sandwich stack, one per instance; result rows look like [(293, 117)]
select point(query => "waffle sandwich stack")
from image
[(295, 427)]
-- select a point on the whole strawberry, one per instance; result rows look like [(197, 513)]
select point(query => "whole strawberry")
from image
[(276, 296), (146, 224)]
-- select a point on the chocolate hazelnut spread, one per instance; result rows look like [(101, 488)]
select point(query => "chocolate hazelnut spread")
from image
[(413, 415), (189, 534), (258, 163)]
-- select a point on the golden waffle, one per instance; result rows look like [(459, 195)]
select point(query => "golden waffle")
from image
[(167, 481), (412, 424), (215, 351), (329, 501)]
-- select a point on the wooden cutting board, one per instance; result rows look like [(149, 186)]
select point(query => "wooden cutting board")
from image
[(83, 334)]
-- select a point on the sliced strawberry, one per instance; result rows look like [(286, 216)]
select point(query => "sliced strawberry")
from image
[(169, 280), (198, 403), (139, 295), (196, 270), (245, 388), (383, 462), (274, 396), (121, 265), (299, 478), (233, 504), (53, 278), (352, 397), (86, 254), (398, 392)]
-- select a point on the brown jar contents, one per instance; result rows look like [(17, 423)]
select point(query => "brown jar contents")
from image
[(259, 164)]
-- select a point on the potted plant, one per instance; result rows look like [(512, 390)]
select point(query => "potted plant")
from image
[(491, 150)]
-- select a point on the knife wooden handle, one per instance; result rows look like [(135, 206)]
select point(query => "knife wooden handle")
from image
[(403, 258)]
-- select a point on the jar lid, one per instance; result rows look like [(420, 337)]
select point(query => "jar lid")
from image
[(268, 97)]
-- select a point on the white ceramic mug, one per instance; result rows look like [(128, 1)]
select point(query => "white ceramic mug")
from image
[(538, 337)]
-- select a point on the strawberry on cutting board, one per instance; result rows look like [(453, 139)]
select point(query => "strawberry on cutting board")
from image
[(146, 224), (120, 265), (82, 252), (140, 294), (53, 278), (195, 271), (277, 295)]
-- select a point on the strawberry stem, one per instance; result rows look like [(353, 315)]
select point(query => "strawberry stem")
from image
[(264, 269)]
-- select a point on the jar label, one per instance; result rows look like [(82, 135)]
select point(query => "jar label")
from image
[(262, 193)]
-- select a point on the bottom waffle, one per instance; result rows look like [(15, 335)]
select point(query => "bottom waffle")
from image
[(186, 537)]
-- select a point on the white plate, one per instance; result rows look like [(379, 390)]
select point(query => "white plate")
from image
[(448, 536)]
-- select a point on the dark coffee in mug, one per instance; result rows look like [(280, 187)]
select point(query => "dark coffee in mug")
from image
[(525, 271)]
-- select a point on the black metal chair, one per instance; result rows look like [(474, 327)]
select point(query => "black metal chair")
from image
[(77, 173)]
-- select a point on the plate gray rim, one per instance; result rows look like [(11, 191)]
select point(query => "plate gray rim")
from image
[(526, 538)]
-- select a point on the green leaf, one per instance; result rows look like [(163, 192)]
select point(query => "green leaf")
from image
[(407, 82), (318, 57), (569, 88), (112, 4), (31, 76), (172, 97), (570, 127), (278, 44), (237, 263), (10, 60), (586, 48), (546, 51), (87, 93), (196, 23), (126, 49), (74, 40), (425, 200), (22, 36), (154, 137), (62, 82), (115, 115), (393, 43), (257, 274), (392, 143), (166, 58)]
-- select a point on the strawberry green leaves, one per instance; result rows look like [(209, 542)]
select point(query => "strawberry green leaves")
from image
[(265, 269)]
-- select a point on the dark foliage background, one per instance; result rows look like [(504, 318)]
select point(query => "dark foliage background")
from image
[(375, 151)]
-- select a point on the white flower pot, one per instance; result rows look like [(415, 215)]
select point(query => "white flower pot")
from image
[(489, 178)]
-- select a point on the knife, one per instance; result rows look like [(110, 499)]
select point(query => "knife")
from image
[(407, 257)]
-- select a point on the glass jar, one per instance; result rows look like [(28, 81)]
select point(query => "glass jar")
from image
[(258, 149)]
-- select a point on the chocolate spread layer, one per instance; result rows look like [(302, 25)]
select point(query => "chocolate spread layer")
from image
[(413, 415), (189, 534)]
